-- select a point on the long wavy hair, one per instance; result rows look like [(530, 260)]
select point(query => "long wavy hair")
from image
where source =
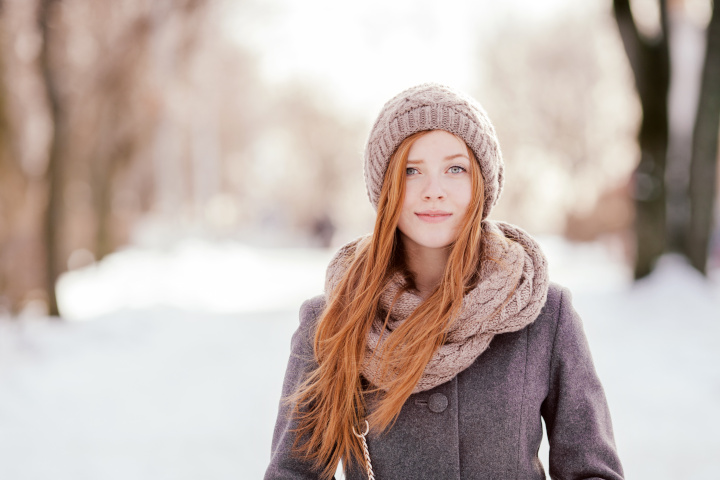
[(332, 402)]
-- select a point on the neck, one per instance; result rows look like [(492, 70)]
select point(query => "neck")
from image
[(427, 265)]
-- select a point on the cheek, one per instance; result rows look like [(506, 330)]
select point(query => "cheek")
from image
[(407, 205), (406, 212), (464, 195)]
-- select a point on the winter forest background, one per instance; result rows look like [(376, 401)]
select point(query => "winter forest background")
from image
[(175, 175)]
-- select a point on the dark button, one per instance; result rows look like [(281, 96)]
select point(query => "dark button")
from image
[(437, 402)]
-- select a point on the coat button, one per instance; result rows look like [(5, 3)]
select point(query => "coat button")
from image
[(437, 402)]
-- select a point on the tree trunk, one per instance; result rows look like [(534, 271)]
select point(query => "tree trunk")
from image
[(650, 62), (703, 167), (54, 210), (103, 173)]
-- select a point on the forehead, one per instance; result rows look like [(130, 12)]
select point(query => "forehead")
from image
[(436, 143)]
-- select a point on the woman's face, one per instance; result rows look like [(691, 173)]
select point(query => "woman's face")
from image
[(438, 190)]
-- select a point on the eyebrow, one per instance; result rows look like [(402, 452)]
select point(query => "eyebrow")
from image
[(449, 157)]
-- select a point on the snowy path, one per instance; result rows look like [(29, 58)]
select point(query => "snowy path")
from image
[(144, 395), (168, 393)]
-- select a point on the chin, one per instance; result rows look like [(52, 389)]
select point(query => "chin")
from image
[(435, 242), (432, 240)]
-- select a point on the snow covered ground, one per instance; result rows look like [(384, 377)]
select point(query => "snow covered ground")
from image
[(173, 368)]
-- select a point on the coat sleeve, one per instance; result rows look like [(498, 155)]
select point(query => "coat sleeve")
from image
[(576, 412), (284, 465)]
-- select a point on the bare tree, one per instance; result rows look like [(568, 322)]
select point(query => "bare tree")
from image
[(650, 62), (53, 238), (562, 105), (145, 110), (99, 97), (703, 169)]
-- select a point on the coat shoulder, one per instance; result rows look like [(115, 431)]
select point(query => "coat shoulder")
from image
[(556, 294), (311, 309), (545, 326), (310, 312)]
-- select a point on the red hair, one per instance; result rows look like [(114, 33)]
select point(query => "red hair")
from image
[(332, 399)]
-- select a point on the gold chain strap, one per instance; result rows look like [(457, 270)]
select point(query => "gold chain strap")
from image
[(366, 452)]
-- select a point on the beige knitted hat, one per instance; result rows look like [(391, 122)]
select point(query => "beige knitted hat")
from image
[(433, 107)]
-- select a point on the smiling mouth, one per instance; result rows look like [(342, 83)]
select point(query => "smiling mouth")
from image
[(433, 217)]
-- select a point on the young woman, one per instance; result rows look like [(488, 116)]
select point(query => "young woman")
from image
[(439, 343)]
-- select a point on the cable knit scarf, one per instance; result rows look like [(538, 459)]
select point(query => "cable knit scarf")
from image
[(509, 296)]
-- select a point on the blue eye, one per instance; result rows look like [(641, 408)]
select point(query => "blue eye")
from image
[(411, 171), (456, 169)]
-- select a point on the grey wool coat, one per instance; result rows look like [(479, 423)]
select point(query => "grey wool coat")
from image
[(486, 422)]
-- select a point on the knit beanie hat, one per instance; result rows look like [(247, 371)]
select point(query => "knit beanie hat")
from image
[(431, 106)]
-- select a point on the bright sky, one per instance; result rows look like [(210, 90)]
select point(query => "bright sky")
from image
[(366, 52)]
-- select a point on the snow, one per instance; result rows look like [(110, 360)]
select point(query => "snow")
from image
[(175, 370), (220, 278)]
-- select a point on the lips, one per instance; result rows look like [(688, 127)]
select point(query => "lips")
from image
[(433, 216)]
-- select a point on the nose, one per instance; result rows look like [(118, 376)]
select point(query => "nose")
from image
[(433, 189)]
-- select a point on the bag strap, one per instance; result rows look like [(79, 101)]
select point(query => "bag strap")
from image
[(366, 452)]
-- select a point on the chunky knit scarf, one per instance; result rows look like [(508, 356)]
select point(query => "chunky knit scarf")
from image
[(509, 296)]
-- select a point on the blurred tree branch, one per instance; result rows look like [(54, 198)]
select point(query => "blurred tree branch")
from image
[(134, 109), (99, 120)]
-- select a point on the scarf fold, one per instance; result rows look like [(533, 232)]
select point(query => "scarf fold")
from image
[(510, 294)]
